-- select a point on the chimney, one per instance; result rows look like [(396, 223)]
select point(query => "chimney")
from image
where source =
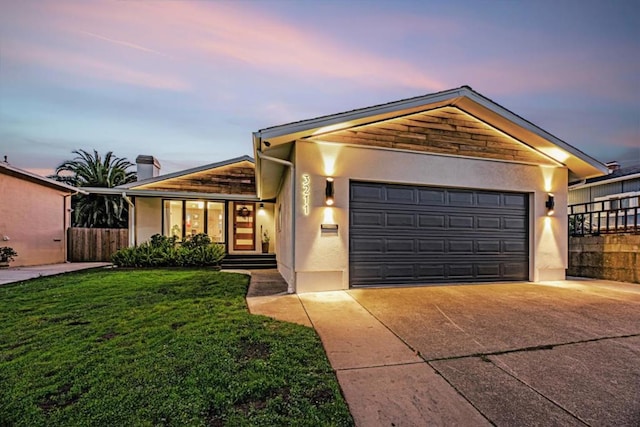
[(613, 166), (148, 167)]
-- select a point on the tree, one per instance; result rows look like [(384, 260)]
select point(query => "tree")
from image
[(90, 170)]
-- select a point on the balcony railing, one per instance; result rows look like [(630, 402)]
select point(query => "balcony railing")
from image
[(613, 216)]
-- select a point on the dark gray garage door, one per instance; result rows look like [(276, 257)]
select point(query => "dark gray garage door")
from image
[(402, 234)]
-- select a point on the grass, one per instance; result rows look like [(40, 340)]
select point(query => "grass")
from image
[(156, 347)]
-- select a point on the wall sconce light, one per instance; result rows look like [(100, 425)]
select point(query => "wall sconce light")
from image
[(550, 204), (261, 205), (328, 192)]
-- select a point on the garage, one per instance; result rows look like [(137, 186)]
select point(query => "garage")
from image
[(410, 234)]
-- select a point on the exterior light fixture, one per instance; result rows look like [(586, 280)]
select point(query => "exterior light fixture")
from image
[(261, 205), (550, 204), (328, 192)]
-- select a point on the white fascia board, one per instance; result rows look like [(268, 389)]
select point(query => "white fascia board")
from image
[(604, 181), (187, 172), (170, 194)]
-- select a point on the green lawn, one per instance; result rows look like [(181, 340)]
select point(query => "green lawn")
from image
[(156, 347)]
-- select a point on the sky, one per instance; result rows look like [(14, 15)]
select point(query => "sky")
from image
[(189, 81)]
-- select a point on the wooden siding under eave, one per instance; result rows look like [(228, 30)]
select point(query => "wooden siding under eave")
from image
[(233, 179), (446, 130)]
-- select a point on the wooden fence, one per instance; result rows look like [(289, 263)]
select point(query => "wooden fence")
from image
[(95, 244)]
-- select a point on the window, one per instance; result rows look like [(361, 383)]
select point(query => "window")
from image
[(173, 219), (215, 221), (183, 218)]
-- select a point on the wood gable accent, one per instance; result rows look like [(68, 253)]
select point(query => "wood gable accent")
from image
[(237, 178), (446, 130)]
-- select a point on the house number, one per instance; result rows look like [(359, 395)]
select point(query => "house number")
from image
[(306, 192)]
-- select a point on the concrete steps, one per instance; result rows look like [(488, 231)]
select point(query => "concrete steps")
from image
[(249, 262)]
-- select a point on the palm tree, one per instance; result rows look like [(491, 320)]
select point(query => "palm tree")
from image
[(90, 170)]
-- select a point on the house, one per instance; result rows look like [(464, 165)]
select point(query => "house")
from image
[(218, 199), (444, 188), (35, 213), (606, 204), (618, 183)]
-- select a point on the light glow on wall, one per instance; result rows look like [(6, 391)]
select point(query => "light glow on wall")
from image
[(329, 153), (306, 193), (547, 176), (327, 217)]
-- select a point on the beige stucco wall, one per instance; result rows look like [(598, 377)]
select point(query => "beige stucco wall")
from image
[(34, 218), (322, 259)]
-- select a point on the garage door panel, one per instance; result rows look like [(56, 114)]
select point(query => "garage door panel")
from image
[(401, 195), (460, 198), (367, 219), (411, 234), (464, 222), (490, 199), (402, 271), (461, 246), (431, 197), (367, 245), (400, 220), (516, 200), (366, 192)]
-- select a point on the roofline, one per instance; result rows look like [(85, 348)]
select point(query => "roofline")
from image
[(603, 181), (187, 171), (170, 194), (360, 113), (39, 179), (453, 97), (526, 124)]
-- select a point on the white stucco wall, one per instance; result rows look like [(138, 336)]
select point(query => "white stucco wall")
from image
[(284, 231), (322, 259), (34, 218), (148, 218)]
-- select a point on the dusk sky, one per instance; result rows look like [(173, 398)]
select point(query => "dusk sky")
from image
[(189, 81)]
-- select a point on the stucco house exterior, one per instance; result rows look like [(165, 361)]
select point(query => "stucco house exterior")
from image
[(444, 188), (35, 213)]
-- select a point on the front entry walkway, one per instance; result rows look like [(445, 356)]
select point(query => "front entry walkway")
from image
[(561, 353)]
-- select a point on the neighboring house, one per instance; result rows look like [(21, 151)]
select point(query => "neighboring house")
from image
[(618, 184), (35, 213), (606, 204), (217, 199), (443, 188)]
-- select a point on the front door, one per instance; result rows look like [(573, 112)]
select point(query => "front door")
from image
[(244, 227)]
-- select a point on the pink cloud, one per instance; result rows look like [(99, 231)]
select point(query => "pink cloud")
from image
[(211, 33)]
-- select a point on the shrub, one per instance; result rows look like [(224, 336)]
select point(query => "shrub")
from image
[(163, 251)]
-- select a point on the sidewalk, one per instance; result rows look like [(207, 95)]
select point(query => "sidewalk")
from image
[(19, 274), (384, 381)]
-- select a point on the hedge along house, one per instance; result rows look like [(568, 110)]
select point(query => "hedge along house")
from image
[(218, 199), (444, 188)]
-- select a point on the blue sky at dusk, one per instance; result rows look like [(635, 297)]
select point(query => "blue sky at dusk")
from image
[(188, 81)]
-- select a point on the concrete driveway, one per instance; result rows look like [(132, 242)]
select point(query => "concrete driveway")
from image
[(561, 353)]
